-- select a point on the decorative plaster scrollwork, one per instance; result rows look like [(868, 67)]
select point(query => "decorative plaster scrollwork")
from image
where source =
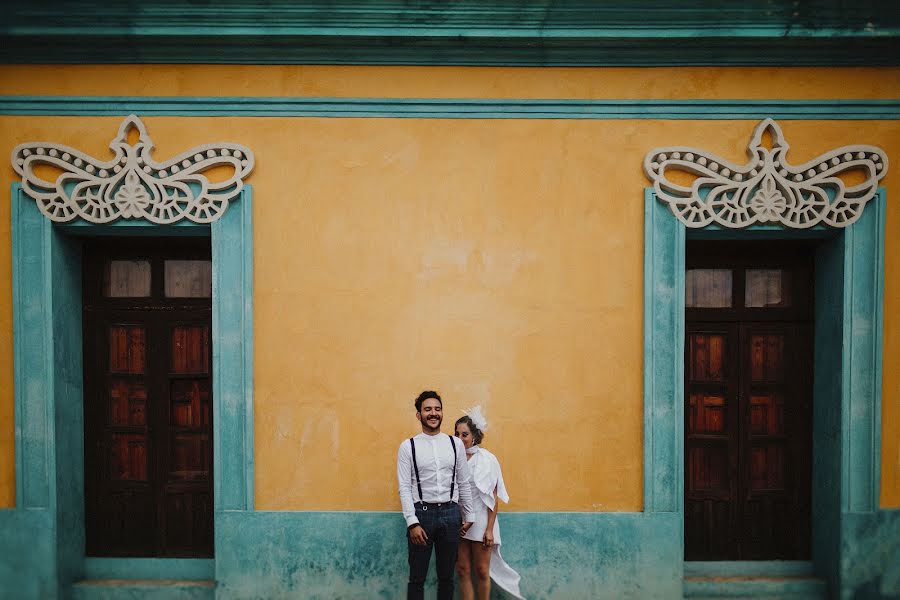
[(767, 189), (132, 185)]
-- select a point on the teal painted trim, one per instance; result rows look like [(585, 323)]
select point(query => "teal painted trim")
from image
[(125, 227), (232, 252), (323, 555), (149, 568), (143, 589), (861, 368), (32, 352), (664, 239), (718, 588), (827, 408), (450, 108), (47, 348), (490, 32), (847, 386), (757, 568), (500, 52), (466, 18), (68, 418)]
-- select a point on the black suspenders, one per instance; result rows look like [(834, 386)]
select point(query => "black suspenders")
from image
[(453, 479), (412, 446)]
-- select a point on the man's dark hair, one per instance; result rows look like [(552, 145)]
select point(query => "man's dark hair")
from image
[(426, 395)]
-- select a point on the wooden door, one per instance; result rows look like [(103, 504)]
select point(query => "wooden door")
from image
[(148, 399), (748, 380)]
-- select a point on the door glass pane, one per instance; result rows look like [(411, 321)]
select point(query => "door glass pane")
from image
[(767, 288), (126, 349), (188, 278), (707, 288), (126, 279)]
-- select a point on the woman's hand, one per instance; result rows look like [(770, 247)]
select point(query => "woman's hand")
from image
[(465, 528), (488, 538)]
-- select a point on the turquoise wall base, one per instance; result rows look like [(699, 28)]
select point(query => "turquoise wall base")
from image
[(323, 555), (27, 569), (870, 555), (274, 555)]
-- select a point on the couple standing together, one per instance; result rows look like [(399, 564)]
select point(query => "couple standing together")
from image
[(449, 488)]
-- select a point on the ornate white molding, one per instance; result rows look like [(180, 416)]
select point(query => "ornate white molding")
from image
[(767, 189), (132, 185)]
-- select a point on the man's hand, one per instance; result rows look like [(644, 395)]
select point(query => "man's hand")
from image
[(417, 535), (465, 528)]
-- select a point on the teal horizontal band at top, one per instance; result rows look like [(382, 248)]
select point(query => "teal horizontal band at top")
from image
[(450, 108), (460, 32)]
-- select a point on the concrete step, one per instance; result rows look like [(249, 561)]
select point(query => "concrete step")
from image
[(763, 580), (759, 587), (144, 589), (765, 568)]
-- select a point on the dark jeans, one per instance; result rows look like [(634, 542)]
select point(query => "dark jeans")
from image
[(441, 525)]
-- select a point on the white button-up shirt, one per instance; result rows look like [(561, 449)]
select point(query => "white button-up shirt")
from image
[(434, 456)]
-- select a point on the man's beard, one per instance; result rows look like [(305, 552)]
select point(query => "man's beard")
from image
[(428, 427)]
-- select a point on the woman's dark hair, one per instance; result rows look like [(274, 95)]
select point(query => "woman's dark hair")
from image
[(426, 395), (477, 434)]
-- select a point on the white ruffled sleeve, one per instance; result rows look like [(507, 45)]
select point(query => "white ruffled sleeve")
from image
[(487, 476)]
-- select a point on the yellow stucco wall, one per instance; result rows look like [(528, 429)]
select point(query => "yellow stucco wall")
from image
[(498, 261)]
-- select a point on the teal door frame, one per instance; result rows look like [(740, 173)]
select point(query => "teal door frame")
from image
[(847, 387), (47, 348)]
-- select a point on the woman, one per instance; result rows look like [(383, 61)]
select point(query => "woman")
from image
[(480, 546)]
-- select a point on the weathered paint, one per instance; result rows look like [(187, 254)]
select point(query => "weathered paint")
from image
[(870, 555), (149, 568), (664, 238), (278, 555), (27, 546), (494, 32), (143, 590), (349, 279), (359, 251)]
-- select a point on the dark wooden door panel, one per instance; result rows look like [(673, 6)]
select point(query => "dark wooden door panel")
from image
[(710, 419), (748, 395), (148, 404), (188, 518), (709, 529)]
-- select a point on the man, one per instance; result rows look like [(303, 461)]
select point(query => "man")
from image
[(433, 475)]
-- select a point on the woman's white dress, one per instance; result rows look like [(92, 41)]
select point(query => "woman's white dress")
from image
[(487, 477)]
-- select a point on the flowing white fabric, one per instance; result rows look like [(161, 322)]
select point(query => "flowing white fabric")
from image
[(487, 477)]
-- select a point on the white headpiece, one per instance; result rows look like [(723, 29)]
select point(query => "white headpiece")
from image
[(477, 417)]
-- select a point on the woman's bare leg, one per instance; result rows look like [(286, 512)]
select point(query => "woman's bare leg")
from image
[(481, 556), (464, 569)]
